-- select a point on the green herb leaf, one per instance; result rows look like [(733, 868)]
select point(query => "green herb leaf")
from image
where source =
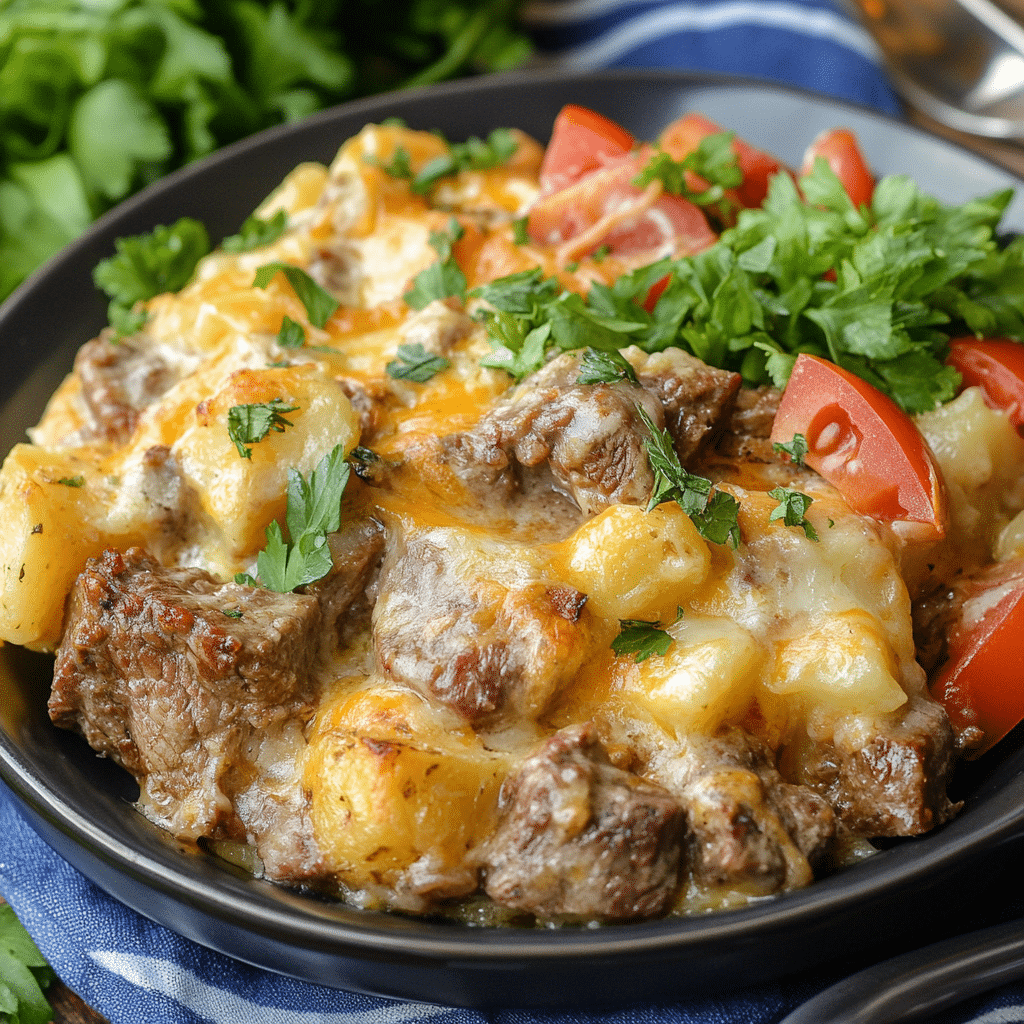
[(72, 481), (398, 166), (147, 265), (716, 517), (249, 424), (233, 613), (443, 279), (795, 449), (292, 334), (414, 363), (256, 233), (320, 305), (472, 155), (641, 639), (605, 368), (519, 233), (24, 974), (713, 160), (792, 510)]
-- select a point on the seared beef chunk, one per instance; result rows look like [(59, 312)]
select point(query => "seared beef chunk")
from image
[(158, 671), (586, 441), (747, 435), (889, 780), (747, 827), (450, 624), (118, 381), (580, 837), (369, 401)]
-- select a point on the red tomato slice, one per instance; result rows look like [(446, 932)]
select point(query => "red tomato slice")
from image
[(981, 686), (683, 136), (863, 444), (605, 208), (842, 153), (581, 141), (996, 365)]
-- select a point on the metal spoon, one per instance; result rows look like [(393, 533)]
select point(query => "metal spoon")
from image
[(921, 983), (961, 62)]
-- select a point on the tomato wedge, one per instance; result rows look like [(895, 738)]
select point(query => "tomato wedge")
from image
[(605, 208), (996, 365), (841, 151), (683, 136), (981, 686), (863, 444), (581, 141)]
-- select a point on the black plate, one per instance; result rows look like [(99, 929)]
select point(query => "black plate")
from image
[(80, 804)]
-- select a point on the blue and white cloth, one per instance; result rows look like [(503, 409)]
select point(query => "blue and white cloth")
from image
[(136, 972)]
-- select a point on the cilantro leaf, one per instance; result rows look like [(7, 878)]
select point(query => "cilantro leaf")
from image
[(24, 974), (256, 233), (795, 449), (442, 279), (398, 166), (320, 304), (163, 260), (792, 510), (249, 424), (72, 481), (715, 516), (713, 161), (605, 368), (414, 363), (641, 639), (519, 233)]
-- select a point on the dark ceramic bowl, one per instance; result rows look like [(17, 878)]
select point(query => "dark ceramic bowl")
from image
[(911, 892)]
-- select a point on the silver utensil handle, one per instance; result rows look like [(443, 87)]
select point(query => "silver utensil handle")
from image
[(923, 982)]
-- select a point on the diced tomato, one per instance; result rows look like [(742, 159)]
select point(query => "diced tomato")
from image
[(863, 444), (841, 151), (683, 136), (654, 292), (605, 208), (581, 141), (996, 365), (981, 686)]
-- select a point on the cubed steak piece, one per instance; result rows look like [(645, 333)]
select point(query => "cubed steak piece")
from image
[(580, 837), (199, 689)]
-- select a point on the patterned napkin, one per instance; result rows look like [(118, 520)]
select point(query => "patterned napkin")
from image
[(134, 971)]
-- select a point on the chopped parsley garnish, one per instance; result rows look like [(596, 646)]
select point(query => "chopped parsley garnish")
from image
[(715, 515), (472, 155), (320, 305), (24, 974), (233, 613), (605, 368), (256, 233), (795, 449), (519, 233), (792, 510), (398, 166), (642, 639), (413, 362), (249, 424), (72, 481), (163, 260), (442, 279), (314, 511), (713, 160), (292, 333)]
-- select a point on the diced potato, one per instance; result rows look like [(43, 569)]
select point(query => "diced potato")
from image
[(242, 495), (49, 532), (842, 662), (393, 778), (634, 564), (707, 677)]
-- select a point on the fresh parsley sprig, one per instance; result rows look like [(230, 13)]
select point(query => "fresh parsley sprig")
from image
[(147, 265), (792, 510), (472, 155), (713, 160), (443, 279), (605, 368), (320, 305), (256, 233), (641, 639), (796, 449), (24, 974), (313, 511), (249, 424), (413, 362), (292, 334), (716, 516)]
